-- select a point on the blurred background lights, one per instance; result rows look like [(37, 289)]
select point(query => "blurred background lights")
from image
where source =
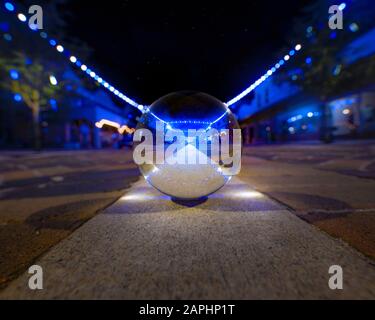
[(337, 70), (53, 80), (342, 6), (17, 97), (21, 17), (333, 35), (33, 27), (353, 27), (9, 6), (14, 74), (53, 104), (7, 37), (60, 48)]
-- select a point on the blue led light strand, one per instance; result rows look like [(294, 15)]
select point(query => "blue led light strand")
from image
[(264, 77), (10, 7), (271, 71)]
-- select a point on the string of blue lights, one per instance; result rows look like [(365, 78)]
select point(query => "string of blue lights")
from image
[(264, 77), (84, 68), (271, 71), (10, 7)]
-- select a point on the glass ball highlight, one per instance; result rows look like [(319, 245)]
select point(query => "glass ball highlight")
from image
[(188, 130)]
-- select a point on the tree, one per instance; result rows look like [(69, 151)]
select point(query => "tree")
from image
[(32, 57), (320, 70), (33, 84)]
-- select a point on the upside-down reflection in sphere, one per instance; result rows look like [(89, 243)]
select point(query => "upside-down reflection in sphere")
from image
[(183, 111)]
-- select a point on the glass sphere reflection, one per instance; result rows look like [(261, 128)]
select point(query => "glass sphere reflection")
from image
[(185, 112)]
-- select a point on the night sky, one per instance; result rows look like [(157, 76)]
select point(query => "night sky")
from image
[(150, 48)]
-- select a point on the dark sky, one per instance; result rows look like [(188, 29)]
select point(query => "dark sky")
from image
[(150, 48)]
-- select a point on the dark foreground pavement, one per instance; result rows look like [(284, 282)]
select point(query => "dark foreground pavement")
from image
[(247, 241), (45, 196), (330, 186), (239, 244)]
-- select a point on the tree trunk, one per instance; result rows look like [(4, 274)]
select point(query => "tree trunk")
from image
[(36, 128)]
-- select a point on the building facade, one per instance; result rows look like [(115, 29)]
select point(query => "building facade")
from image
[(281, 112), (70, 123)]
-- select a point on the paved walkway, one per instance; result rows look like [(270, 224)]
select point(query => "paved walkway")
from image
[(239, 244), (45, 196)]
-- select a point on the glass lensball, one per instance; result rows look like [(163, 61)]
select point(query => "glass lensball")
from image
[(186, 111)]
